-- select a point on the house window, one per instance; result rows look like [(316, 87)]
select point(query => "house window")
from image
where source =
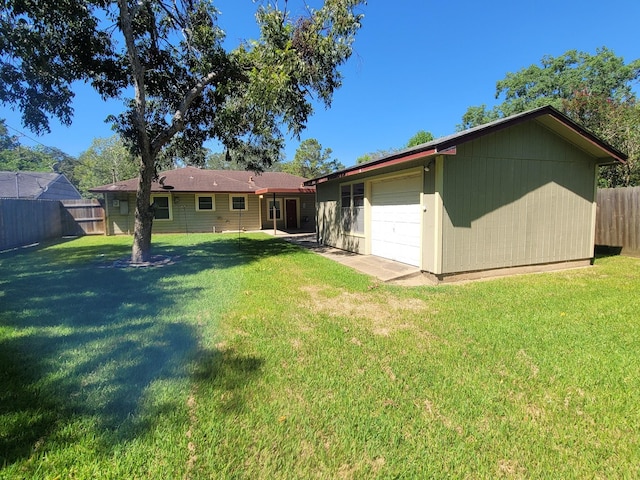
[(278, 204), (237, 202), (352, 203), (205, 203), (162, 207)]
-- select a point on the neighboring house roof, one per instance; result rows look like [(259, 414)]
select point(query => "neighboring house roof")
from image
[(548, 116), (197, 180), (37, 185)]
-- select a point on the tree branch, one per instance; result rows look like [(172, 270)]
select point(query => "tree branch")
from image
[(138, 74), (177, 122)]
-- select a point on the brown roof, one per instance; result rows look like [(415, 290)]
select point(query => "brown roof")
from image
[(192, 179)]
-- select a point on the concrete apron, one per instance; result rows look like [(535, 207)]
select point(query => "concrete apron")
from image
[(385, 270), (397, 273)]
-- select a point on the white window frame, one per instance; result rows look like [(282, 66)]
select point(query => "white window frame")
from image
[(213, 203), (169, 203), (352, 207), (246, 202), (278, 208)]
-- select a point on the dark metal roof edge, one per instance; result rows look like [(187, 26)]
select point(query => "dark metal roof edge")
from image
[(266, 190), (444, 143), (425, 148)]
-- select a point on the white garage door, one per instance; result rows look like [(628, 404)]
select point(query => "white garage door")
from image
[(395, 219)]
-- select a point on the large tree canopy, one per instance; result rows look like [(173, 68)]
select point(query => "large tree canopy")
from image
[(311, 160), (107, 160), (184, 86), (556, 80), (595, 90)]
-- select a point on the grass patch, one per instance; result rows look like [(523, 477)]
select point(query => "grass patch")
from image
[(253, 358)]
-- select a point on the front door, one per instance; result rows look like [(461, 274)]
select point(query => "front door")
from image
[(291, 206)]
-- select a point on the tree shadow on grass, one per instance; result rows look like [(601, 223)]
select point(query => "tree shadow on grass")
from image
[(52, 380), (86, 342), (228, 252), (226, 371)]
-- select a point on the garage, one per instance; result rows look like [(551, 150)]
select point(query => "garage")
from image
[(396, 219)]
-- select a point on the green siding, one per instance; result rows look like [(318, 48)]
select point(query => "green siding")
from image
[(521, 196), (329, 227), (308, 212)]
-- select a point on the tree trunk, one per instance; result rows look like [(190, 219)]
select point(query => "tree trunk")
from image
[(141, 250)]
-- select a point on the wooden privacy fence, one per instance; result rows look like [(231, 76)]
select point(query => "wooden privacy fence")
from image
[(83, 217), (618, 218), (24, 221)]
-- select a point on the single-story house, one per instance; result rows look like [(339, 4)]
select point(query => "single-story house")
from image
[(37, 186), (191, 199), (518, 193)]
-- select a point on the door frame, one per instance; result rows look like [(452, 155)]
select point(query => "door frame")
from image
[(296, 214)]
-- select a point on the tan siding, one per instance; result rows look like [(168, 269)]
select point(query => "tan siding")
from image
[(185, 216), (518, 197), (187, 219), (307, 211), (266, 223), (118, 223)]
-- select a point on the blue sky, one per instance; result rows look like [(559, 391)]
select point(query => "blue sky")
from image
[(417, 65)]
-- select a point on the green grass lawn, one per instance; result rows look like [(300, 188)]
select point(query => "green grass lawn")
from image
[(252, 358)]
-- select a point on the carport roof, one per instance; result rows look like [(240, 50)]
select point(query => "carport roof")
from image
[(548, 116)]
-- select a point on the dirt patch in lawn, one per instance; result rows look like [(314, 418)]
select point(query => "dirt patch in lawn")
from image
[(385, 312)]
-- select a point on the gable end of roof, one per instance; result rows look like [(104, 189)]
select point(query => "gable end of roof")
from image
[(547, 115)]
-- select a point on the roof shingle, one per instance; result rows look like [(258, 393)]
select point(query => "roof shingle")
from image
[(37, 185), (196, 180)]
